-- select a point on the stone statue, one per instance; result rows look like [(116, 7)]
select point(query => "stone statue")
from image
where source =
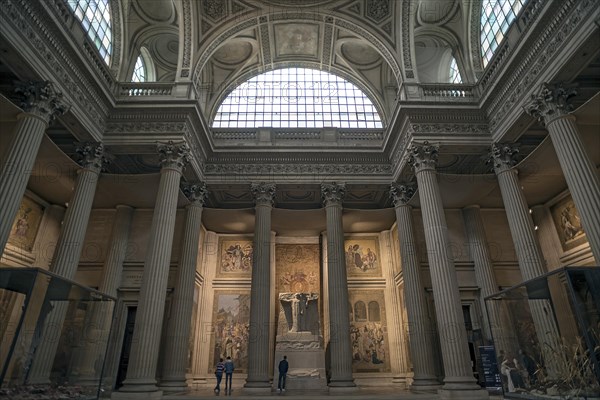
[(298, 309)]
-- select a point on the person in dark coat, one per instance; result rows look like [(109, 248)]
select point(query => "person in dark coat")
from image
[(283, 369)]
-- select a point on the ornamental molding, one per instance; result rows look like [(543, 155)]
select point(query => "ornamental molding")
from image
[(30, 24), (423, 156), (263, 193), (173, 155), (333, 193), (147, 127), (91, 156), (449, 129), (196, 193), (187, 37), (41, 99), (402, 193), (552, 102), (408, 10), (503, 156), (286, 170), (521, 79)]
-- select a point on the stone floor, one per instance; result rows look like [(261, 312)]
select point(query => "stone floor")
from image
[(366, 393)]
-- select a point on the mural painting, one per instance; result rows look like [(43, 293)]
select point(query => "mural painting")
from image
[(26, 224), (368, 331), (362, 256), (231, 320), (235, 257), (568, 224)]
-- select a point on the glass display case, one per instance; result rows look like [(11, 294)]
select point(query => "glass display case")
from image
[(54, 335), (546, 335)]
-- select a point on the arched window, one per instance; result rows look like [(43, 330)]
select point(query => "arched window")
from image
[(95, 19), (360, 311), (454, 72), (496, 17), (143, 70), (297, 98), (374, 311)]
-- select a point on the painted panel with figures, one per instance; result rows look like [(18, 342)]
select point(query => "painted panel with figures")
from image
[(231, 321), (362, 256), (568, 224), (26, 224), (235, 257)]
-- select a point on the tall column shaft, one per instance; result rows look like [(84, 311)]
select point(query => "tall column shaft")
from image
[(41, 104), (178, 331), (339, 342), (581, 176), (145, 345), (419, 325), (260, 293)]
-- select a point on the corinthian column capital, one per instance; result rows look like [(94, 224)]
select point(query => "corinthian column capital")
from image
[(333, 193), (196, 193), (173, 155), (553, 101), (263, 193), (503, 156), (91, 156), (423, 156), (402, 193), (41, 99)]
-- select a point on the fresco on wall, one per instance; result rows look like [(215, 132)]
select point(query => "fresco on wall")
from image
[(26, 224), (368, 331), (235, 257), (231, 320), (297, 268), (362, 256), (568, 224)]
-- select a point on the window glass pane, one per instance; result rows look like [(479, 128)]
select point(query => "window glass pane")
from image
[(298, 97), (496, 17), (94, 16), (454, 72)]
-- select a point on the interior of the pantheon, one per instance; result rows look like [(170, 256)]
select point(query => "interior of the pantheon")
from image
[(401, 55)]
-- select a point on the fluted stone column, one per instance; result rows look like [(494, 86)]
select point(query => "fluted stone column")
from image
[(100, 318), (339, 343), (178, 331), (551, 106), (141, 372), (40, 103), (260, 293), (485, 278), (68, 251), (521, 226), (459, 382), (419, 327)]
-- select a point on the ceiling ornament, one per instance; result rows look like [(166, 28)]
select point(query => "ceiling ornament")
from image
[(378, 10)]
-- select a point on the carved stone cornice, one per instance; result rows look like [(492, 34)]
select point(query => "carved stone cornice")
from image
[(173, 155), (283, 170), (263, 193), (196, 193), (449, 128), (423, 156), (551, 102), (41, 99), (402, 193), (91, 156), (503, 156), (333, 193), (146, 127)]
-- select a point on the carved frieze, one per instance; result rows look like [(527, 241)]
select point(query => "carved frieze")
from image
[(282, 169), (449, 129)]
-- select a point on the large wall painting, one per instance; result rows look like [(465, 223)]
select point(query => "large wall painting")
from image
[(297, 268), (231, 320), (362, 256), (368, 331), (26, 224), (568, 224), (235, 257)]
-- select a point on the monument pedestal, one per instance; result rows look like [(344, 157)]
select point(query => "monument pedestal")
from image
[(306, 357)]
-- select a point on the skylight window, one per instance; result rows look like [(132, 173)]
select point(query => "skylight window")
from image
[(139, 70), (95, 19), (496, 18), (454, 72), (297, 98)]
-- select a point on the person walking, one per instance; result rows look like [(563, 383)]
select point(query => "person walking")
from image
[(283, 369), (219, 374), (229, 368)]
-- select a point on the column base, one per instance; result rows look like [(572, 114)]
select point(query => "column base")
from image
[(479, 394), (256, 389), (342, 386), (174, 386), (425, 384), (137, 395)]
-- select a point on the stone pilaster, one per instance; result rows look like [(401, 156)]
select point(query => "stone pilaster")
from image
[(531, 262), (340, 350), (484, 276), (551, 106), (178, 331), (141, 373), (40, 103), (68, 251), (459, 382), (260, 293), (420, 329)]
